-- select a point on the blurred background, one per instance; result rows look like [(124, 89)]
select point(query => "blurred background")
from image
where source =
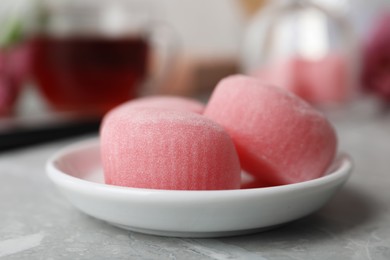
[(64, 63)]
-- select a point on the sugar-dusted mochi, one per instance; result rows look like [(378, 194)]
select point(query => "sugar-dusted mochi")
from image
[(280, 139), (168, 102), (167, 149)]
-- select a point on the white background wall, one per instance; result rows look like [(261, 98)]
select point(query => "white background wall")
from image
[(211, 27), (215, 26)]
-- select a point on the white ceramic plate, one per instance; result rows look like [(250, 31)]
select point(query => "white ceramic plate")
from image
[(77, 171)]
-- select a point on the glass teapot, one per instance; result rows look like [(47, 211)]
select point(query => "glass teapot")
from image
[(304, 47)]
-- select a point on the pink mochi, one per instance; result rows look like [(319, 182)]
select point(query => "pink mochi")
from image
[(326, 80), (167, 149), (280, 139), (168, 102)]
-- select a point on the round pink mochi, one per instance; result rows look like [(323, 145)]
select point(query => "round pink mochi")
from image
[(280, 139), (168, 102), (167, 149)]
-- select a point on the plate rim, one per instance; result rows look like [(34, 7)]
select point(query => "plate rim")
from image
[(58, 176)]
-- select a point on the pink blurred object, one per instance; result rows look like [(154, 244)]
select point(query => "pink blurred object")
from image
[(326, 80), (14, 67), (376, 58), (320, 82), (284, 74)]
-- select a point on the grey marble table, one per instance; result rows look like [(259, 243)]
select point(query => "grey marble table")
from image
[(36, 222)]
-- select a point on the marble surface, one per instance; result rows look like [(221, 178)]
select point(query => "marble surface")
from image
[(36, 222)]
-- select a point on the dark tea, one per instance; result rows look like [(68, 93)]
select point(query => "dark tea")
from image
[(89, 74)]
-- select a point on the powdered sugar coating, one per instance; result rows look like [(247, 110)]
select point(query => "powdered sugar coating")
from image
[(279, 138), (167, 149)]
